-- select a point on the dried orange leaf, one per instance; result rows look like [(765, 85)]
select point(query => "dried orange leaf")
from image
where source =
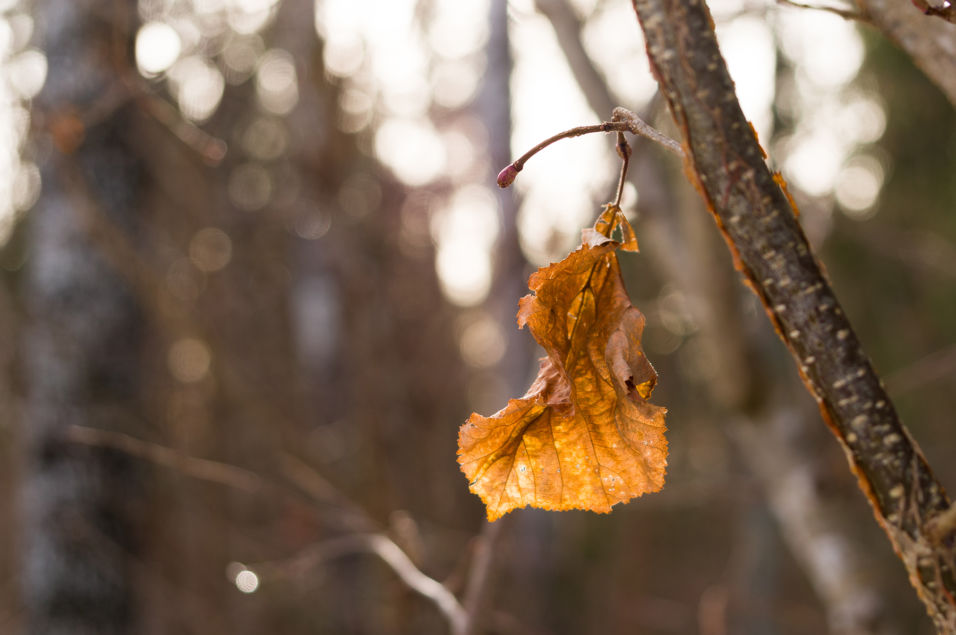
[(584, 435), (613, 218)]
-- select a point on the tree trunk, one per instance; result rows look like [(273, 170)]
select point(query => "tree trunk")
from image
[(83, 344)]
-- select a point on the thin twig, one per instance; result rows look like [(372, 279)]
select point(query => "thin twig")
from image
[(639, 127), (202, 469), (929, 42), (944, 9), (310, 481), (846, 14), (428, 587), (623, 120), (480, 574), (210, 148), (567, 29), (315, 485), (390, 553), (507, 176)]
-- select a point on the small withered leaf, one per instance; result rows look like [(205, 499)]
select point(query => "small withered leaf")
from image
[(584, 435)]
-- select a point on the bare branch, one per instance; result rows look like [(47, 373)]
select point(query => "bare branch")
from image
[(567, 28), (639, 127), (623, 120), (930, 42), (202, 469), (480, 574), (770, 249), (445, 600), (314, 484), (846, 14), (390, 553), (944, 9), (810, 522)]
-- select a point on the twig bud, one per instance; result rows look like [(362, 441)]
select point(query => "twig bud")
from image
[(507, 176)]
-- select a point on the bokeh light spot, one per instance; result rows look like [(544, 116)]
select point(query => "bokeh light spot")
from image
[(243, 577), (250, 186), (464, 271), (247, 581), (412, 148), (276, 83), (813, 162), (26, 73), (210, 249), (312, 225), (858, 186), (344, 54), (198, 86), (189, 360), (481, 342), (157, 47), (266, 138), (26, 187), (240, 55)]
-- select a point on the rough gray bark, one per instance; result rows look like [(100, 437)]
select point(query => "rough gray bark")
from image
[(82, 346), (771, 251)]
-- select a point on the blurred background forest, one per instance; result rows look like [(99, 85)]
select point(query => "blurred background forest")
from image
[(255, 274)]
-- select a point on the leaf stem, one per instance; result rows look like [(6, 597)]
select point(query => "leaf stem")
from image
[(624, 151)]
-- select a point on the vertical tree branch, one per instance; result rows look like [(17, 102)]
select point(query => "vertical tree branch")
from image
[(567, 30), (725, 162)]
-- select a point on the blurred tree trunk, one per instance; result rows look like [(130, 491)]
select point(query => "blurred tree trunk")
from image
[(511, 374), (82, 348)]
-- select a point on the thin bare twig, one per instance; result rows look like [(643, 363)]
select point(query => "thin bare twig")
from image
[(390, 553), (480, 574), (507, 176), (210, 148), (639, 127), (926, 40), (202, 469), (567, 29), (623, 120), (315, 485), (847, 14), (459, 619), (944, 9), (428, 587), (309, 480)]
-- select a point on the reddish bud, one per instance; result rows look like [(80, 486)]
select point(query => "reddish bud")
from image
[(507, 176)]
